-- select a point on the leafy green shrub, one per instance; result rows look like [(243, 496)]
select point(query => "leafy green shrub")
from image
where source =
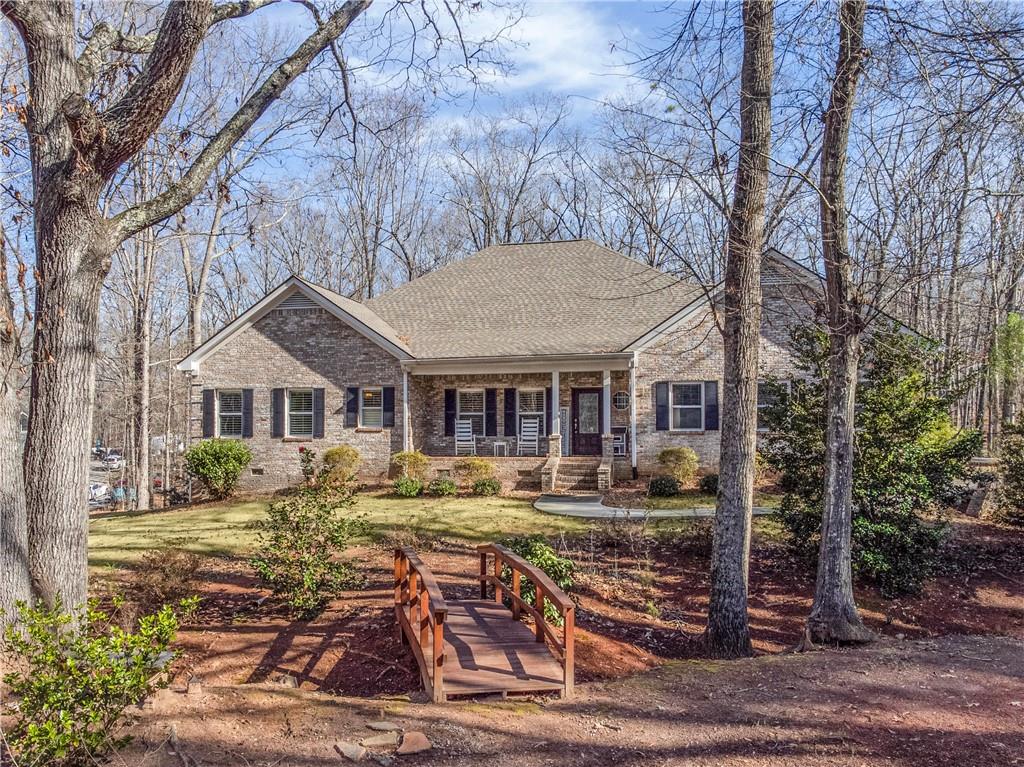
[(681, 462), (218, 463), (537, 551), (408, 487), (909, 457), (307, 463), (663, 487), (74, 676), (474, 469), (297, 549), (412, 463), (709, 484), (340, 464), (487, 486), (1011, 474), (443, 486)]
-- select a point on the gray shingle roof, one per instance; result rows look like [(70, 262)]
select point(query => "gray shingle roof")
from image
[(573, 297)]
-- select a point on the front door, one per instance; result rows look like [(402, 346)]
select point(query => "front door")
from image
[(586, 421)]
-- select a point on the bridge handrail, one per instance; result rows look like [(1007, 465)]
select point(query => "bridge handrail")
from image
[(420, 609)]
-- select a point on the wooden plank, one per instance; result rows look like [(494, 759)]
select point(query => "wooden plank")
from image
[(534, 573)]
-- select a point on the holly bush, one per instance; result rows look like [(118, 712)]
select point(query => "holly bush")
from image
[(537, 551), (218, 463)]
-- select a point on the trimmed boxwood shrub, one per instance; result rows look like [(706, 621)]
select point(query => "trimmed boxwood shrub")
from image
[(442, 486), (681, 462), (709, 484), (487, 486), (663, 487), (411, 463), (218, 463), (408, 487)]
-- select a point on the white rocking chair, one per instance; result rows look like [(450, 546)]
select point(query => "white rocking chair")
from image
[(529, 436), (465, 439)]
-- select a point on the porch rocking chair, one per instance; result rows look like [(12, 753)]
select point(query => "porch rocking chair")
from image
[(465, 439), (529, 436)]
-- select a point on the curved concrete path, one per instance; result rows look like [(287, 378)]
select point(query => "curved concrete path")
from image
[(590, 507)]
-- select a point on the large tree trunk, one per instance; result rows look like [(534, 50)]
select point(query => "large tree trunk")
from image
[(834, 616), (728, 631), (143, 347)]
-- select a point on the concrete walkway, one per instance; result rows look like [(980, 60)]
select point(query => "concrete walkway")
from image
[(590, 507)]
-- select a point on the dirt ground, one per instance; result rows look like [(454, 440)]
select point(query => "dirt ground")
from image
[(944, 686)]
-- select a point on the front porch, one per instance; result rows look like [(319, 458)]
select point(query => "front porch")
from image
[(585, 410)]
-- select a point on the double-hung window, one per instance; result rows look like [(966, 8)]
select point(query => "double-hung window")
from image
[(229, 413), (470, 407), (371, 408), (687, 406), (531, 406), (300, 412)]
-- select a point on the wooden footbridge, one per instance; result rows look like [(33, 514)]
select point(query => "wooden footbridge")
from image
[(481, 646)]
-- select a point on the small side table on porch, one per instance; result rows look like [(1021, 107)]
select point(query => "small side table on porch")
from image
[(502, 447)]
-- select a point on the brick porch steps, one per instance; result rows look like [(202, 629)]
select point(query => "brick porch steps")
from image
[(577, 474)]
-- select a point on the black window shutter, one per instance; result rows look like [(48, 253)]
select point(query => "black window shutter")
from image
[(510, 412), (277, 412), (490, 412), (449, 412), (352, 407), (246, 412), (661, 409), (711, 406), (209, 413), (547, 410), (389, 406), (318, 413)]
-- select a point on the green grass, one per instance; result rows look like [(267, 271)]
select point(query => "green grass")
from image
[(226, 530)]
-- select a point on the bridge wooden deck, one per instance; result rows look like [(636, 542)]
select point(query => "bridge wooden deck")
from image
[(481, 646)]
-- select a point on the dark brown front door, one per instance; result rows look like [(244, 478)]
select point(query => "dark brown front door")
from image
[(587, 414)]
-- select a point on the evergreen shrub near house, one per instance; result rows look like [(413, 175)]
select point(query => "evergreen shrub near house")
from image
[(340, 465), (475, 469), (709, 484), (536, 550), (663, 486), (908, 455), (299, 545), (442, 486), (408, 487), (681, 462), (75, 673), (487, 486), (411, 463), (1011, 474), (218, 463)]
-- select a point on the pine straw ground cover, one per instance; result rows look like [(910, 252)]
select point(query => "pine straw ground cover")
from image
[(642, 593)]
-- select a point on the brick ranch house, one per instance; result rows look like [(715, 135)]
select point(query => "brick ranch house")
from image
[(613, 360)]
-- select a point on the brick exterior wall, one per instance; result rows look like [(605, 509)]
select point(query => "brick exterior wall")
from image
[(307, 348)]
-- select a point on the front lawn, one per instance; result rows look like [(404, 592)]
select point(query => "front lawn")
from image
[(225, 529)]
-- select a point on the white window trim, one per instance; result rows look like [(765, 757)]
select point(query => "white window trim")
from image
[(241, 414), (789, 392), (543, 413), (482, 412), (672, 405), (380, 390), (288, 413)]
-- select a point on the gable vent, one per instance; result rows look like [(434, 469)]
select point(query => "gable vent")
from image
[(773, 275), (298, 300)]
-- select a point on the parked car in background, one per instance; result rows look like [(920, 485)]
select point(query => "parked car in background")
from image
[(113, 459), (98, 491)]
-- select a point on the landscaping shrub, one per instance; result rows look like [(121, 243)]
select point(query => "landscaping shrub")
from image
[(165, 576), (1011, 474), (307, 462), (537, 551), (298, 545), (408, 487), (340, 464), (663, 487), (443, 486), (74, 676), (412, 463), (909, 457), (218, 463), (680, 462), (474, 469), (709, 484), (487, 486)]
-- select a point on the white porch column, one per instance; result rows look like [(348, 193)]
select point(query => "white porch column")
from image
[(406, 441), (606, 401), (556, 411), (632, 413)]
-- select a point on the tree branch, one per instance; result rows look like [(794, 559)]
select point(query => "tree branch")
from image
[(176, 197)]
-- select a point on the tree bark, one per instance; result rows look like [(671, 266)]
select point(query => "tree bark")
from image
[(834, 616), (728, 630)]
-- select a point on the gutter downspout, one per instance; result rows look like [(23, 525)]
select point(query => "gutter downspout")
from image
[(632, 413)]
